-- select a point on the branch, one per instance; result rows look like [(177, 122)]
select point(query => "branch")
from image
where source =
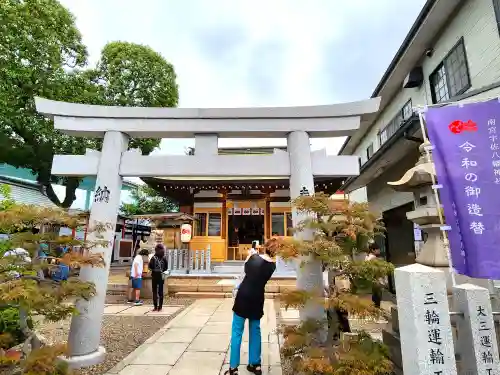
[(51, 194), (71, 184)]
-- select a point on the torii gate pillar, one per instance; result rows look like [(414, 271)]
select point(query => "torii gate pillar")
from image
[(85, 332)]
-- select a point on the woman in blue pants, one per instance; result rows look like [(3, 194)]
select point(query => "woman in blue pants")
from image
[(249, 304)]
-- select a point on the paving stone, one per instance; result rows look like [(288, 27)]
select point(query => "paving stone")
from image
[(145, 369), (179, 335), (210, 343), (191, 363), (137, 310), (166, 311), (267, 370), (216, 327), (270, 354), (115, 309), (191, 321), (160, 354)]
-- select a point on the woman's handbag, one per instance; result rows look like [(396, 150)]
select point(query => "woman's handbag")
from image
[(164, 274)]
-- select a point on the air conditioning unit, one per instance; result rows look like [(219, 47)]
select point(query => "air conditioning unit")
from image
[(414, 79)]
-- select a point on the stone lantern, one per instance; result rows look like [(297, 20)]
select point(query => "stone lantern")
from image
[(418, 180)]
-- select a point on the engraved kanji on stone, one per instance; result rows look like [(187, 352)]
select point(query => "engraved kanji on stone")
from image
[(436, 356), (102, 194)]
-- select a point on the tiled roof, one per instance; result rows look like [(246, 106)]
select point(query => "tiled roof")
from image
[(26, 192)]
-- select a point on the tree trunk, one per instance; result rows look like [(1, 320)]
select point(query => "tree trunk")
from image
[(51, 194), (71, 184)]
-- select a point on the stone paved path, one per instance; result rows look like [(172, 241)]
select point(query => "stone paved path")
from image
[(124, 309), (197, 342)]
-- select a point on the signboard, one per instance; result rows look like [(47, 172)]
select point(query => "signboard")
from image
[(186, 232), (246, 211), (255, 211), (237, 211), (467, 157)]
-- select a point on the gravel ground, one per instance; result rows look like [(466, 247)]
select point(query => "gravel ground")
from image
[(120, 335)]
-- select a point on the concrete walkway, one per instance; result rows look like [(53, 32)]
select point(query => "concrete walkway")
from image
[(197, 342)]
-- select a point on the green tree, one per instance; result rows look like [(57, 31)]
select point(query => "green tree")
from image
[(146, 200), (135, 75), (340, 230), (42, 54)]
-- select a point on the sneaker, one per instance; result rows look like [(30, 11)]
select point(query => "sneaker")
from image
[(138, 303), (130, 301), (255, 369), (231, 371), (159, 310), (154, 310)]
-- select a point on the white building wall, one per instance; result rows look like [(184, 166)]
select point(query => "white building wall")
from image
[(358, 196), (476, 23)]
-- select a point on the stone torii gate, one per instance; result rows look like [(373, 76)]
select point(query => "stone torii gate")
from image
[(115, 161)]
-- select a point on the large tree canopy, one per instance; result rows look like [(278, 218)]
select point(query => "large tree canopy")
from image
[(42, 54), (130, 74), (147, 201)]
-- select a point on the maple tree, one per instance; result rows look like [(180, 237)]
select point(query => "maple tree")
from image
[(339, 230), (26, 292)]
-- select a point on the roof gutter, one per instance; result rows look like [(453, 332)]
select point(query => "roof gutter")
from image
[(399, 54)]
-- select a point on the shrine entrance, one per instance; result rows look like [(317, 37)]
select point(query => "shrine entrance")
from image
[(115, 125)]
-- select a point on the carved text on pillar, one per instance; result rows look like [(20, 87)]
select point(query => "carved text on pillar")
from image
[(102, 194)]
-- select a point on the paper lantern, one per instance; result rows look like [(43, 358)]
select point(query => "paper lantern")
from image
[(186, 232)]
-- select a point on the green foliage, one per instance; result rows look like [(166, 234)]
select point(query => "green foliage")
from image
[(9, 325), (146, 200), (339, 230), (42, 54), (22, 290)]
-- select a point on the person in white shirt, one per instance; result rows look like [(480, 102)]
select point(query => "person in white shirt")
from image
[(136, 277)]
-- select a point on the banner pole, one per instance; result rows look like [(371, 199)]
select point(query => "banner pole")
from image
[(446, 242)]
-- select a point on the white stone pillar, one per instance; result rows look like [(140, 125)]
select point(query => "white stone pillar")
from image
[(309, 276), (424, 321), (85, 331), (206, 144), (477, 341)]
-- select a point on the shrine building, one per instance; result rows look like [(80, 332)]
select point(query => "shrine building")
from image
[(231, 212)]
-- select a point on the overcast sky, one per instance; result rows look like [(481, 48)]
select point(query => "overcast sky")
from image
[(239, 53)]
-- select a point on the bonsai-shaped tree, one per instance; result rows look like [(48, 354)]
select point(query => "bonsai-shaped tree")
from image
[(25, 293), (340, 230)]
